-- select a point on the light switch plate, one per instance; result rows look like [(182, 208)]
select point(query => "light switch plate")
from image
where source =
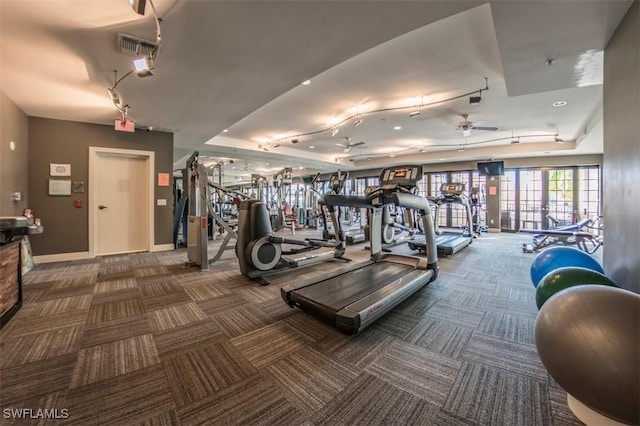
[(161, 202)]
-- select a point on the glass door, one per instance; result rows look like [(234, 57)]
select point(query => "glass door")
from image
[(560, 206), (508, 194), (530, 205)]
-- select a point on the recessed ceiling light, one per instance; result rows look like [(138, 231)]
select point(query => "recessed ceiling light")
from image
[(397, 127), (311, 146), (306, 82), (442, 159), (369, 158), (225, 130), (559, 103), (234, 167), (266, 164)]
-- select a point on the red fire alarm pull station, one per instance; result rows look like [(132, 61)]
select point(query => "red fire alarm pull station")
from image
[(78, 204)]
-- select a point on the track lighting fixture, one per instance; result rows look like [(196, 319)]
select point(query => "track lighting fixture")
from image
[(413, 114), (138, 6), (143, 66), (515, 141), (335, 131), (558, 139), (475, 100), (357, 122)]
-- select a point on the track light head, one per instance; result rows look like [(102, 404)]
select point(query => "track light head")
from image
[(138, 6), (357, 122), (335, 131), (144, 66), (414, 114), (475, 100), (558, 139)]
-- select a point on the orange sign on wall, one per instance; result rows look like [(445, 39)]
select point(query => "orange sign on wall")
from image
[(163, 179), (493, 190)]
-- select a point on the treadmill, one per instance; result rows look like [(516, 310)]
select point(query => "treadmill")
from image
[(449, 242), (354, 298)]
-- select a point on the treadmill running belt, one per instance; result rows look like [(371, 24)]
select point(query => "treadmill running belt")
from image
[(337, 292)]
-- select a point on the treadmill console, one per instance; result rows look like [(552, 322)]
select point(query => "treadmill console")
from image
[(405, 176), (337, 181), (454, 189)]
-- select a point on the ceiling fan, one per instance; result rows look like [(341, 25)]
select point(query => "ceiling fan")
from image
[(348, 145), (467, 126)]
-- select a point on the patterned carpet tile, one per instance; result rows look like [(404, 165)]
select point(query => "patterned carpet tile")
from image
[(158, 286), (175, 316), (254, 401), (66, 304), (466, 299), (419, 303), (186, 338), (147, 271), (59, 293), (237, 322), (259, 294), (35, 379), (276, 309), (112, 359), (73, 280), (116, 269), (359, 350), (114, 285), (202, 293), (458, 315), (121, 400), (417, 371), (165, 300), (510, 306), (104, 332), (36, 347), (54, 402), (168, 418), (526, 294), (268, 344), (441, 337), (508, 327), (114, 310), (115, 296), (205, 371), (518, 358), (25, 324), (396, 323), (371, 401), (223, 303), (309, 379), (486, 395)]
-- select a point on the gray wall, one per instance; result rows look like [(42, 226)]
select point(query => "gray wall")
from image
[(621, 168), (56, 141), (13, 164)]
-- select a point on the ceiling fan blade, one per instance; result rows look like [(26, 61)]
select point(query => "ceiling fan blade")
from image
[(357, 144), (493, 129), (341, 144)]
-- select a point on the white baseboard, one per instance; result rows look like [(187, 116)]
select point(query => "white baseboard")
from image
[(61, 257), (163, 247)]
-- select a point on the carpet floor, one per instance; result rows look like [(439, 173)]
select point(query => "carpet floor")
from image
[(142, 339)]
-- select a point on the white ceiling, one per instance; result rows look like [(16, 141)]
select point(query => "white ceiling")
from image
[(238, 65)]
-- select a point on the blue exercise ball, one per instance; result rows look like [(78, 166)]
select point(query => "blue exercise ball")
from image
[(558, 257), (588, 338)]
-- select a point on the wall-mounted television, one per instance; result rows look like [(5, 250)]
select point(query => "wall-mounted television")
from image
[(491, 168)]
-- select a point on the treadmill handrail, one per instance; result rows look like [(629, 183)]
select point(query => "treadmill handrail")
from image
[(333, 200)]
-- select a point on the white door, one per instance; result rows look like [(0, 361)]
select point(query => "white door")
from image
[(122, 203)]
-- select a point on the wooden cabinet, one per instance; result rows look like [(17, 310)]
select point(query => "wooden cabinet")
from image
[(10, 281)]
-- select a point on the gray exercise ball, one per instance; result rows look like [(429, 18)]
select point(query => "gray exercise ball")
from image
[(588, 338)]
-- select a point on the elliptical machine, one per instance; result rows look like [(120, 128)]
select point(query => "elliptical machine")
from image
[(260, 252)]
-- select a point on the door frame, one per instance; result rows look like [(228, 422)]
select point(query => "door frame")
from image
[(149, 157)]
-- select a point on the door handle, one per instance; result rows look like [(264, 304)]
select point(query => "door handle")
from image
[(101, 207)]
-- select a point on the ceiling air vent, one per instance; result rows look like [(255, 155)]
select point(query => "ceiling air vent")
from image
[(135, 46)]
